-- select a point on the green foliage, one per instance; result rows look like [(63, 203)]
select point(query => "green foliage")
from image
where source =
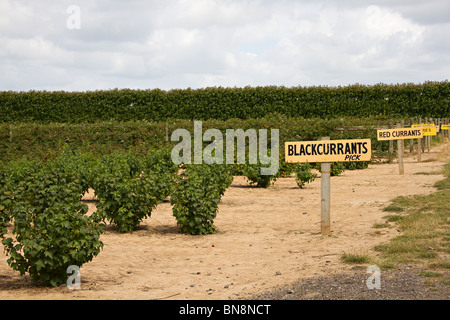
[(337, 168), (303, 174), (429, 99), (5, 203), (196, 196), (51, 229), (129, 187), (355, 258), (254, 174), (355, 165), (160, 164), (444, 184), (286, 169), (47, 141), (74, 166)]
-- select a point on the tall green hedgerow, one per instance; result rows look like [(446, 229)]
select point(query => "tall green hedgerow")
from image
[(428, 99)]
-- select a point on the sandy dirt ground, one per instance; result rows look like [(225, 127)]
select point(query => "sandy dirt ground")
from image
[(265, 238)]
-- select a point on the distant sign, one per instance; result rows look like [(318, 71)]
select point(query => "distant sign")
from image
[(328, 151), (399, 134), (445, 126), (428, 129)]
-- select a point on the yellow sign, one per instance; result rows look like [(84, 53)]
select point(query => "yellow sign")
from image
[(445, 126), (328, 151), (400, 133), (428, 129)]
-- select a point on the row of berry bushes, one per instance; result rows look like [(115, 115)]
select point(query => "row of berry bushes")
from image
[(45, 228)]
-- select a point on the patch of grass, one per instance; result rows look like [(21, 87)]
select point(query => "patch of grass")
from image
[(427, 255), (393, 208), (355, 258), (430, 274), (361, 259), (392, 218), (425, 226), (384, 264), (441, 264), (399, 204), (381, 225), (444, 184)]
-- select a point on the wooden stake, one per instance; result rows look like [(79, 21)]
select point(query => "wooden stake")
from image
[(411, 141), (419, 150), (402, 122), (401, 168), (423, 139), (447, 134), (438, 124), (391, 145), (325, 197)]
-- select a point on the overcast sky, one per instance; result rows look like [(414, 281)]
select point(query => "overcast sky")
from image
[(81, 45)]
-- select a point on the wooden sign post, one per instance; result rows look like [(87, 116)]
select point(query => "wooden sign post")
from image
[(325, 152), (429, 130), (400, 134), (445, 132), (391, 144), (325, 169), (419, 150), (400, 145), (447, 135), (411, 141)]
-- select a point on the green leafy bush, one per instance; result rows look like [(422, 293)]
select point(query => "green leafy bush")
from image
[(5, 203), (51, 230), (253, 174), (303, 174), (129, 188), (337, 168), (354, 165), (196, 195), (160, 164), (286, 169)]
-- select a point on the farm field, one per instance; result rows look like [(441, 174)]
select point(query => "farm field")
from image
[(265, 237)]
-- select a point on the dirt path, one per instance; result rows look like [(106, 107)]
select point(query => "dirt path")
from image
[(265, 238)]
